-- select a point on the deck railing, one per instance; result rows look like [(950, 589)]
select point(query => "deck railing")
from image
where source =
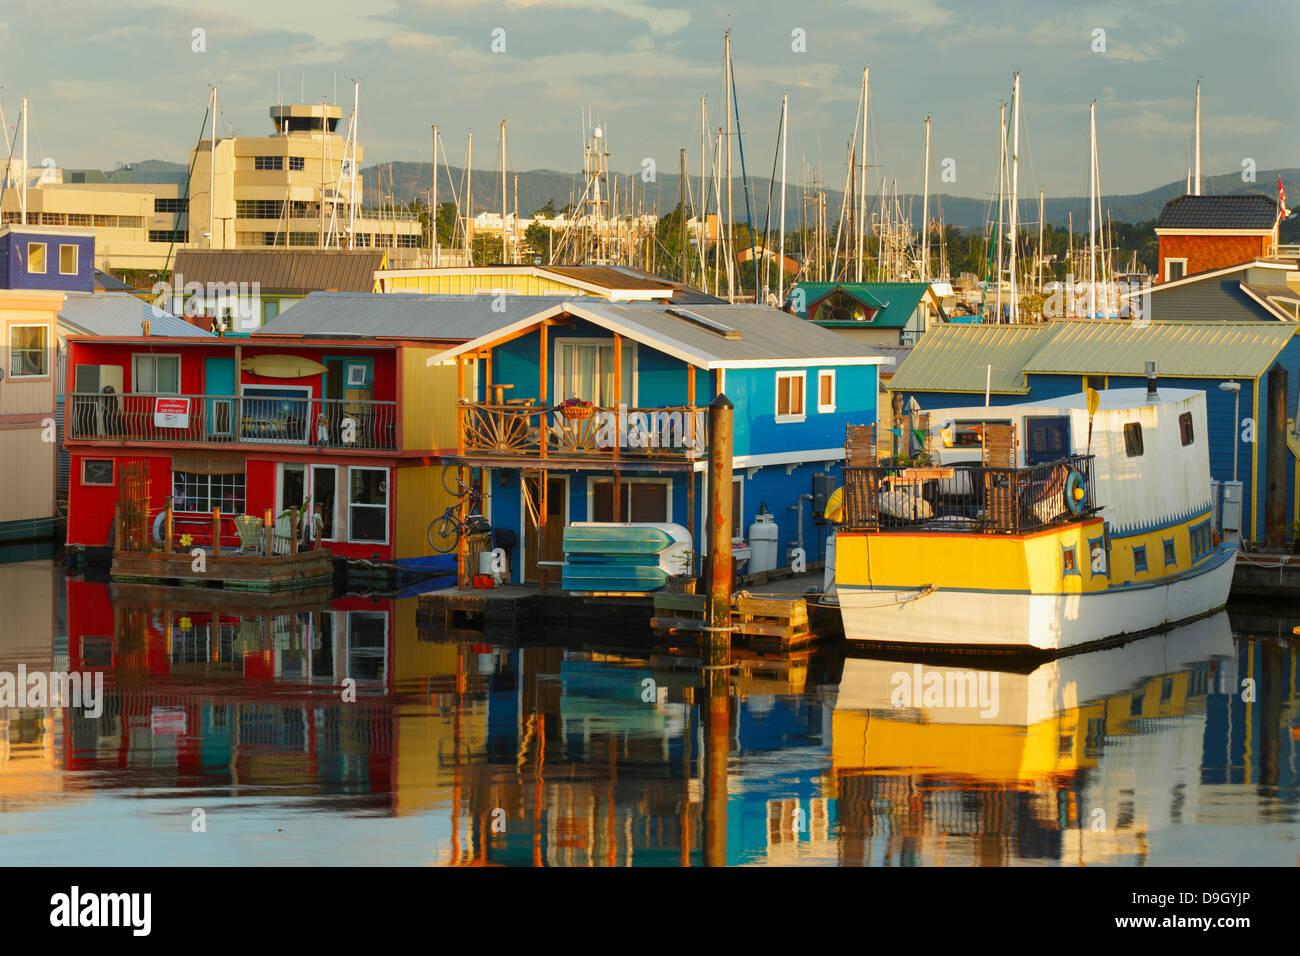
[(974, 498), (673, 433), (232, 420)]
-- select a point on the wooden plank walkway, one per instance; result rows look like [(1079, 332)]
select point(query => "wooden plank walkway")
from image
[(228, 572)]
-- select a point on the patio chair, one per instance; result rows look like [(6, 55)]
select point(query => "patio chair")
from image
[(250, 534), (282, 536)]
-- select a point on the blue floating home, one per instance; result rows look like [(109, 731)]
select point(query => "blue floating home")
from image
[(598, 413)]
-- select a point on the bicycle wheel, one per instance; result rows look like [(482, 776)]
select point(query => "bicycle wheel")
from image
[(453, 483), (443, 534)]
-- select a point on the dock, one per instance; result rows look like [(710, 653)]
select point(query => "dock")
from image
[(304, 571), (1266, 575)]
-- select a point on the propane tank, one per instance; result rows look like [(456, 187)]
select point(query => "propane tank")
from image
[(764, 537)]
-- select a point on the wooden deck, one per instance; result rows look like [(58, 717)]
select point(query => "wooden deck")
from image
[(299, 572)]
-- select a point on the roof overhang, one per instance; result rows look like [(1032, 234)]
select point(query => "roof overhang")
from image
[(1174, 231)]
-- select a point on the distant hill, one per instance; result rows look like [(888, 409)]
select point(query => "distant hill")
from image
[(536, 186)]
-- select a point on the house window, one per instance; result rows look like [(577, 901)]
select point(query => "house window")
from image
[(1140, 558), (200, 494), (368, 504), (67, 259), (639, 499), (28, 353), (97, 471), (1185, 428), (584, 368), (1170, 555), (826, 390), (36, 257), (1175, 269), (156, 374), (1133, 439), (295, 164), (790, 388)]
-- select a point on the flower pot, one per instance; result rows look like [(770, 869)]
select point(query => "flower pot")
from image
[(578, 413)]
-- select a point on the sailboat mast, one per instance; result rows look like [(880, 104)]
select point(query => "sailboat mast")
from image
[(469, 197), (433, 199), (212, 169), (1038, 264), (726, 79), (504, 252), (1015, 191), (23, 194), (704, 191), (780, 271), (1092, 208), (925, 210), (862, 173), (1198, 136), (1002, 188)]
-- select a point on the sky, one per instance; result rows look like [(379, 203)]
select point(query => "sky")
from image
[(124, 81)]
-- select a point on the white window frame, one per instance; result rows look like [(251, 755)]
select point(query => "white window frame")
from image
[(738, 492), (76, 258), (10, 349), (154, 356), (45, 254), (352, 616), (802, 376), (1168, 263), (821, 375), (280, 468), (312, 468), (189, 511), (560, 393), (626, 506), (387, 506)]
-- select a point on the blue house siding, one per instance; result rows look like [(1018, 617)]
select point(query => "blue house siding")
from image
[(757, 432), (13, 262)]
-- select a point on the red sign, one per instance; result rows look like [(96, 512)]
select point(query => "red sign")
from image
[(171, 413)]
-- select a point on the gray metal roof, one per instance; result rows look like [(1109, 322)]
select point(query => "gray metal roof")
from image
[(120, 313), (405, 315), (283, 270)]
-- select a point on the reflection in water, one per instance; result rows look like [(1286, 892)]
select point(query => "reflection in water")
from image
[(340, 733)]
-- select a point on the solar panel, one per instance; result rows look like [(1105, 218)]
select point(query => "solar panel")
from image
[(726, 331)]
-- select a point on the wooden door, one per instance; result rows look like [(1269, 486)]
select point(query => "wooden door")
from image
[(557, 511)]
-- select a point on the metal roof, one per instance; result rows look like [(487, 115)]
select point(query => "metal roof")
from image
[(612, 278), (954, 358), (1181, 349), (405, 316), (1239, 211), (283, 270), (121, 313)]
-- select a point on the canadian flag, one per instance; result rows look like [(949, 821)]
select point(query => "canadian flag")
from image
[(1282, 211)]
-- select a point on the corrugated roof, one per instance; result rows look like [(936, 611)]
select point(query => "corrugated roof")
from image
[(454, 318), (1240, 211), (1191, 349), (120, 313), (954, 358), (283, 270), (612, 278), (107, 282)]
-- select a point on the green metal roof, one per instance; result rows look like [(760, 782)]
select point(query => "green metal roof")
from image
[(895, 300), (953, 358)]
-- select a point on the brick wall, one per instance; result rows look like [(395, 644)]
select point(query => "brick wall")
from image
[(1210, 252)]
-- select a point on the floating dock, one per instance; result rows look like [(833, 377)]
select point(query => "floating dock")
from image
[(299, 572)]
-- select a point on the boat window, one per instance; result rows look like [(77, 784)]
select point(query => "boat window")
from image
[(1046, 439), (1169, 551), (1185, 427), (1140, 558), (1069, 561), (1133, 439)]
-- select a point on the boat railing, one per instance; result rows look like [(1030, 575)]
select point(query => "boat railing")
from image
[(968, 498)]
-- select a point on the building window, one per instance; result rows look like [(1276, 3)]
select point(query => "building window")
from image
[(166, 204), (259, 209), (1185, 428), (36, 257), (296, 163), (168, 235), (826, 390), (28, 352), (1175, 269), (67, 259), (1140, 558), (79, 219), (1133, 439), (584, 368), (368, 504), (268, 162), (408, 241), (639, 500), (97, 471), (156, 374), (1170, 555), (194, 493), (303, 239), (790, 388)]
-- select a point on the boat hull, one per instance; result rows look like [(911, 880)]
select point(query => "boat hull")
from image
[(1010, 620)]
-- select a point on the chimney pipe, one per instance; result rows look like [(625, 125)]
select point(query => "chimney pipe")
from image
[(146, 327), (1152, 394)]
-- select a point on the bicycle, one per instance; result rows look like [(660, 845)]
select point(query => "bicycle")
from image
[(445, 531)]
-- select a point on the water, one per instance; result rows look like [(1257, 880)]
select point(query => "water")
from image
[(342, 734)]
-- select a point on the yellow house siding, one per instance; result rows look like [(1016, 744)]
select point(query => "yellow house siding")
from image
[(460, 284), (428, 401), (420, 499)]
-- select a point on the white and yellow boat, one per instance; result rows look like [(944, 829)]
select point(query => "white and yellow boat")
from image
[(1096, 524)]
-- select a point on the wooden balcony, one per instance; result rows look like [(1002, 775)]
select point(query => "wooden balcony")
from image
[(669, 438), (232, 420)]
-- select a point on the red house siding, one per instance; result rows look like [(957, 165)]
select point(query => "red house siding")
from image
[(1204, 252)]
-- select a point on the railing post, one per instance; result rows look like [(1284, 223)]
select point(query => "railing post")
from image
[(216, 532), (268, 534)]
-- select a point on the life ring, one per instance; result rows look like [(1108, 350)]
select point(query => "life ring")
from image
[(1076, 492), (158, 527)]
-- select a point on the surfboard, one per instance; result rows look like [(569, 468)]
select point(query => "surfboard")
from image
[(281, 366)]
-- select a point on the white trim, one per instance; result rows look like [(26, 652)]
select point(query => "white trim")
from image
[(1168, 262), (804, 362), (48, 348), (821, 374), (534, 272), (45, 258), (1208, 274), (311, 486), (808, 457), (388, 502), (382, 680), (558, 393), (802, 414), (625, 513), (738, 533), (1269, 304), (280, 466), (76, 258), (1202, 231), (156, 356)]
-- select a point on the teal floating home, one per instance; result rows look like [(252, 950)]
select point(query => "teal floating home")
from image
[(594, 412)]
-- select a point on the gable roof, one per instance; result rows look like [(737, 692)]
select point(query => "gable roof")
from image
[(706, 336), (107, 282), (119, 314), (405, 316), (283, 270), (952, 358), (896, 301), (1238, 211)]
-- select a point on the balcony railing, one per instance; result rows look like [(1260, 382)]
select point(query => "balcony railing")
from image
[(232, 420), (973, 498), (674, 433)]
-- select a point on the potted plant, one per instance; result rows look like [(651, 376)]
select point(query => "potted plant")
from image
[(576, 409)]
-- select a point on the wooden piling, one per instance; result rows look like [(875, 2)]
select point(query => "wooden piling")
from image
[(720, 418)]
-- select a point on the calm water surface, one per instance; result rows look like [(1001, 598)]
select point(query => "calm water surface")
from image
[(345, 734)]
